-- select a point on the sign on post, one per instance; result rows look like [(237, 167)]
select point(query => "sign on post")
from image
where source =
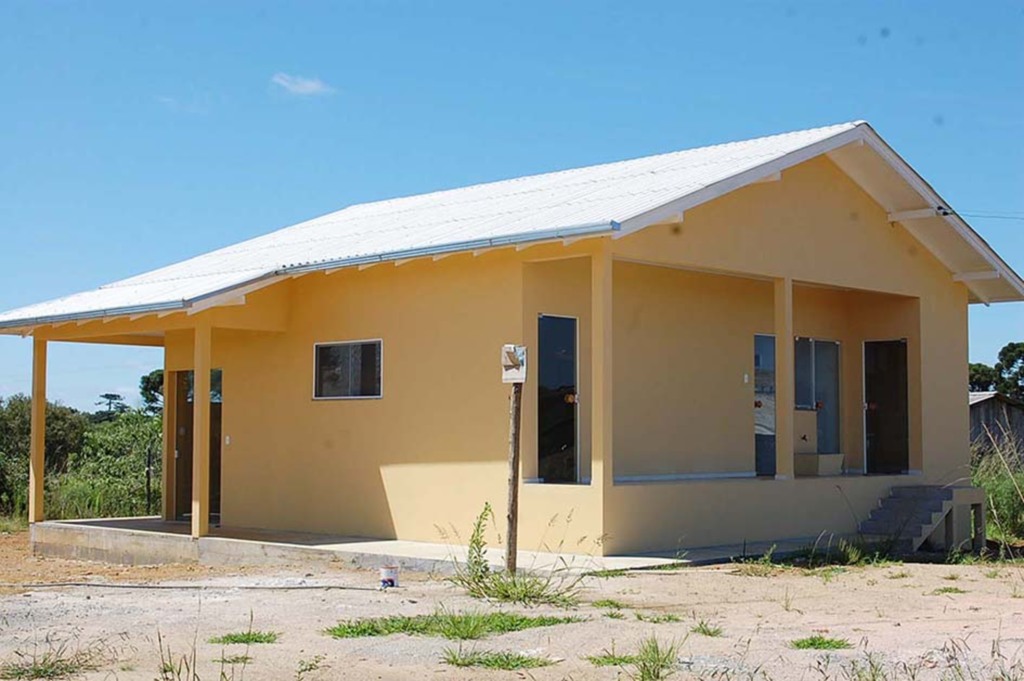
[(513, 363), (513, 370)]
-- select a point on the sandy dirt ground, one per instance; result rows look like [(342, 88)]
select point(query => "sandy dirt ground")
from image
[(909, 620)]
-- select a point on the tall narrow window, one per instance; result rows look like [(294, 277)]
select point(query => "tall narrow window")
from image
[(817, 372), (348, 370)]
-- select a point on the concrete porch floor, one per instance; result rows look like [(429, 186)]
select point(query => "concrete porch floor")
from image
[(150, 540)]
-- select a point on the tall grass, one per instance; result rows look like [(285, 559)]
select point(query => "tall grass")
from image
[(997, 466), (559, 586)]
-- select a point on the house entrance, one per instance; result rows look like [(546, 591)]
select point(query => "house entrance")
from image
[(886, 427), (183, 416), (557, 403)]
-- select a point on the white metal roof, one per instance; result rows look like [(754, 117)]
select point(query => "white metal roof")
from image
[(603, 199)]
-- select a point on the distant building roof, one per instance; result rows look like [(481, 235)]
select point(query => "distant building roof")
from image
[(979, 397)]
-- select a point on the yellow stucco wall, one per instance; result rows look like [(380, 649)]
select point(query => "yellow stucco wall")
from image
[(432, 451), (817, 227)]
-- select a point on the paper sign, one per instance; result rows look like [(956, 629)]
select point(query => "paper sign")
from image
[(513, 363)]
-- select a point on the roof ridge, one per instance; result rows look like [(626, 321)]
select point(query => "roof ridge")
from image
[(847, 125)]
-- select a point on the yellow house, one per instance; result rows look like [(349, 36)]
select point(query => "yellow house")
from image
[(744, 342)]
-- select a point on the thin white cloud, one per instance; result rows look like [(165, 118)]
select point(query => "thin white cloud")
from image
[(301, 86)]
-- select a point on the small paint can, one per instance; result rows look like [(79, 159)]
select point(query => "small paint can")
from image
[(389, 576)]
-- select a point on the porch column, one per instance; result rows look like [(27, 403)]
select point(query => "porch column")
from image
[(601, 467), (167, 470), (785, 387), (201, 431), (37, 444)]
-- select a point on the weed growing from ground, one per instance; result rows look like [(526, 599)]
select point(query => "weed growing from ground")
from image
[(657, 619), (654, 660), (819, 642), (608, 603), (493, 659), (455, 626), (606, 574), (706, 628), (309, 666), (948, 590), (249, 637), (559, 587), (56, 660), (609, 658)]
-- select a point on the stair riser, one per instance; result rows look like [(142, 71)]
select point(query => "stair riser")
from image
[(922, 493)]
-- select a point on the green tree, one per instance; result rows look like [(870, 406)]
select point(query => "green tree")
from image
[(65, 435), (108, 477), (982, 377), (151, 388), (115, 405), (1011, 370)]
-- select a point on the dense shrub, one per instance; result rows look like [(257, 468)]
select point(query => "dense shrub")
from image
[(999, 470), (93, 467), (108, 477), (65, 435)]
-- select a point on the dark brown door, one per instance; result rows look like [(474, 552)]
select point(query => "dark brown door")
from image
[(183, 431), (886, 421), (183, 445)]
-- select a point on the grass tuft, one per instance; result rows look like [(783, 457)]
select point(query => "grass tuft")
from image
[(454, 626), (605, 574), (559, 587), (249, 637), (59, 660), (46, 666), (655, 661), (657, 619), (705, 628), (494, 659), (609, 658), (608, 603), (948, 590), (819, 642)]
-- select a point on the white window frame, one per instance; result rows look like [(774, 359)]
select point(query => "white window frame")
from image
[(364, 341)]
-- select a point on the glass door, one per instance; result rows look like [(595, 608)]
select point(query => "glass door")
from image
[(764, 404), (557, 455)]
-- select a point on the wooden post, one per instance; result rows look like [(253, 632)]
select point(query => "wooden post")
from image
[(201, 432), (37, 443), (512, 517)]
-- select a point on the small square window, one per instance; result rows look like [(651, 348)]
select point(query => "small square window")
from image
[(348, 370)]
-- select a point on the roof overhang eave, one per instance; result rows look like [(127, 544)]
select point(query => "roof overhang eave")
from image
[(209, 299), (557, 234), (964, 230)]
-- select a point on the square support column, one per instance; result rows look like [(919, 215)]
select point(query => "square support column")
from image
[(201, 431), (167, 471), (601, 466), (785, 380), (37, 445)]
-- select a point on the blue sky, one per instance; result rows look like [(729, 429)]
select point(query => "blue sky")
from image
[(136, 134)]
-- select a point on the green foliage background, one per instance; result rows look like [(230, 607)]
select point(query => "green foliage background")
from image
[(95, 467)]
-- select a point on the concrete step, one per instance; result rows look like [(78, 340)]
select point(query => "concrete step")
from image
[(911, 504), (922, 491), (921, 517), (883, 528)]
